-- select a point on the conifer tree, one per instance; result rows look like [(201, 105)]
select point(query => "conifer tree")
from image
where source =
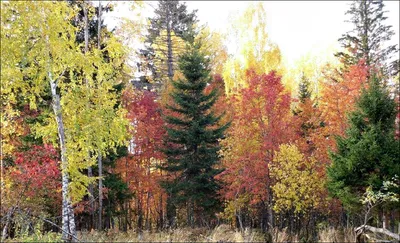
[(369, 153), (366, 40), (304, 89), (191, 144), (171, 26)]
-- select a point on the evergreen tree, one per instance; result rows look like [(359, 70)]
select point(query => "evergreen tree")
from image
[(171, 22), (191, 144), (304, 89), (366, 39), (369, 154)]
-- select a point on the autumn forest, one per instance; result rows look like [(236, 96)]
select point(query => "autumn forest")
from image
[(153, 131)]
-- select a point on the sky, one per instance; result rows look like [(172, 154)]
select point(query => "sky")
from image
[(298, 27)]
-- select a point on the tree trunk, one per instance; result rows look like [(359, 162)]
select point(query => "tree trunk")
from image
[(99, 156), (10, 213), (269, 203), (239, 219), (68, 221), (360, 230), (100, 191), (190, 213), (171, 211), (169, 44), (90, 171), (99, 27)]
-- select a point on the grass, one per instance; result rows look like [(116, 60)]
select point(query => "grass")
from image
[(222, 233)]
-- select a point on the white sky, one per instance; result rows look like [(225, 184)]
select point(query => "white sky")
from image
[(298, 27)]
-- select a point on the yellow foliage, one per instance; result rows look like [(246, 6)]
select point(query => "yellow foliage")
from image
[(38, 45), (311, 66), (214, 48), (298, 185), (161, 53), (255, 50)]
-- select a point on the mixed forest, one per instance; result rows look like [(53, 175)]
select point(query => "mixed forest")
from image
[(203, 143)]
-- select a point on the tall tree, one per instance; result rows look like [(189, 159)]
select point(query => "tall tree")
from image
[(366, 40), (262, 119), (192, 139), (48, 60), (92, 33), (138, 167), (369, 153), (255, 50), (337, 99), (306, 116), (171, 26)]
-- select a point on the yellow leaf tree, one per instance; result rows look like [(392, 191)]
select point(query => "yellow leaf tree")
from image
[(43, 58), (297, 183), (254, 48)]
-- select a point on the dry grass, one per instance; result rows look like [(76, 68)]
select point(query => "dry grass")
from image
[(336, 235), (222, 233)]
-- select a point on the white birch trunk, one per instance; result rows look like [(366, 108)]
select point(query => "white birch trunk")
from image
[(68, 221)]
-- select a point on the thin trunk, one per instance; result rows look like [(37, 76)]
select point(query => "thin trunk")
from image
[(68, 221), (139, 214), (99, 26), (190, 213), (161, 215), (169, 44), (171, 211), (100, 190), (10, 213), (91, 198), (86, 30), (147, 223), (99, 156), (239, 219), (90, 171), (269, 202)]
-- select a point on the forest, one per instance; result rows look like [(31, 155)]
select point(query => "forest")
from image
[(174, 139)]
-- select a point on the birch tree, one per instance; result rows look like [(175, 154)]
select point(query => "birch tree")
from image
[(41, 56)]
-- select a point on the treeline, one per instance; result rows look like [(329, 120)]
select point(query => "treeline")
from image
[(217, 139)]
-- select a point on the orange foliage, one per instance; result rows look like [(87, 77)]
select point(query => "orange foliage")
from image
[(138, 169), (337, 100), (261, 122)]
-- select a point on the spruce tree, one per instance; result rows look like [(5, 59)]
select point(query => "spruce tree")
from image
[(304, 89), (369, 153), (191, 144), (366, 39), (171, 20)]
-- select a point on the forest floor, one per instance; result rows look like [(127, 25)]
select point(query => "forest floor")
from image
[(222, 233)]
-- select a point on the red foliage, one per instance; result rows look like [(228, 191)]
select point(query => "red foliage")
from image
[(37, 173), (262, 121), (138, 169), (337, 100)]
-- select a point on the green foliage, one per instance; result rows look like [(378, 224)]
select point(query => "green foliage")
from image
[(39, 237), (169, 29), (369, 154), (117, 190), (304, 89), (193, 133), (385, 194)]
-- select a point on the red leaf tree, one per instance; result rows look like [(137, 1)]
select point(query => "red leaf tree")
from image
[(261, 122), (138, 169)]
